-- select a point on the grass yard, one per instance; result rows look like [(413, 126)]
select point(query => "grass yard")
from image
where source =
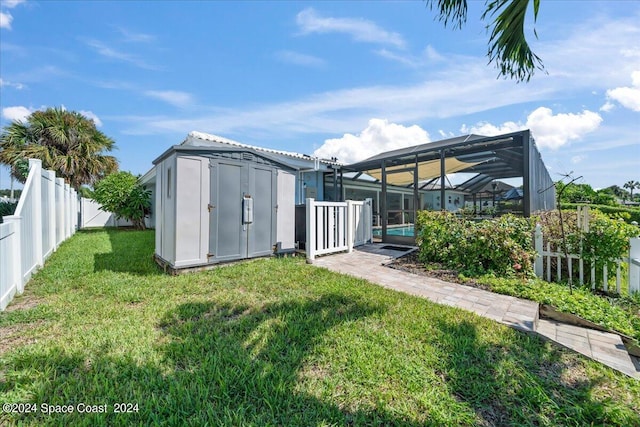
[(275, 342)]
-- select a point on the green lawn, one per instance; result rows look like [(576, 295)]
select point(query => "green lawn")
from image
[(275, 342)]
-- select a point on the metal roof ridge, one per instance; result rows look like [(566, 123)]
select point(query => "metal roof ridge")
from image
[(219, 139)]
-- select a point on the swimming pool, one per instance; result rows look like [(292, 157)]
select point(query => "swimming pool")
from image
[(404, 230)]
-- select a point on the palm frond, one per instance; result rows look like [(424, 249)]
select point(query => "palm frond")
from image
[(508, 46), (65, 141), (452, 12)]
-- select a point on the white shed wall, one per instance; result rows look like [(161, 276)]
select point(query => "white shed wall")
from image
[(166, 205), (286, 217), (192, 214)]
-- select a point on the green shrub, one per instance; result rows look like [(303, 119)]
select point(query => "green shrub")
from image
[(619, 314), (6, 209), (606, 241), (121, 194), (499, 246), (629, 214)]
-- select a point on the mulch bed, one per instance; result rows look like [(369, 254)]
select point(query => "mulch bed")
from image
[(411, 264)]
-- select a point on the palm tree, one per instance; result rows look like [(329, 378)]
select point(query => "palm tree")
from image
[(66, 142), (631, 185), (508, 46)]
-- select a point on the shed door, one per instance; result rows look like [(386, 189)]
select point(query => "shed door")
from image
[(225, 217), (262, 232), (232, 183)]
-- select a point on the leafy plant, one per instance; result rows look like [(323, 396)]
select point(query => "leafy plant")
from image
[(6, 209), (619, 314), (500, 246), (629, 214), (122, 194), (606, 241)]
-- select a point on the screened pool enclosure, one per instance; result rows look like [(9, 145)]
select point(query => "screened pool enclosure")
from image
[(413, 178)]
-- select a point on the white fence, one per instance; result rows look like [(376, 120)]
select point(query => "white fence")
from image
[(337, 226), (545, 256), (46, 215), (92, 216)]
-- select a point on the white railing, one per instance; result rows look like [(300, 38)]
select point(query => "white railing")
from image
[(545, 256), (46, 215), (337, 226)]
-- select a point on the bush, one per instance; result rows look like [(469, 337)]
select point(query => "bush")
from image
[(500, 246), (6, 209), (606, 241), (121, 194), (628, 214)]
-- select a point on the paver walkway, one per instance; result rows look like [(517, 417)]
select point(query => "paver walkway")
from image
[(368, 262)]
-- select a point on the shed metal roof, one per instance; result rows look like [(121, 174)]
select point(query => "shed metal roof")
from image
[(202, 139)]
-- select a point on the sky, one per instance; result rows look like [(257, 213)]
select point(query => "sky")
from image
[(329, 78)]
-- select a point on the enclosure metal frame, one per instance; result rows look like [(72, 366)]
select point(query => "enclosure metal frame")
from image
[(510, 155)]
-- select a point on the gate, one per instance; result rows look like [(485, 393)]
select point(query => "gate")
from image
[(337, 226)]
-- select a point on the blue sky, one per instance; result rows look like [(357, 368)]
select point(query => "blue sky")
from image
[(343, 79)]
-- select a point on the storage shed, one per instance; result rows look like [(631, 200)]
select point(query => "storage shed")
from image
[(221, 201)]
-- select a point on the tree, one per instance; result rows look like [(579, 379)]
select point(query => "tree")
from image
[(508, 46), (66, 142), (122, 194), (575, 193), (631, 185), (614, 190)]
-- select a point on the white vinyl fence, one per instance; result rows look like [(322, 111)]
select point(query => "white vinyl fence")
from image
[(46, 215), (545, 256), (337, 226), (92, 216)]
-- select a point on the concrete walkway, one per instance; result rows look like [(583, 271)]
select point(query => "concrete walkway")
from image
[(368, 262)]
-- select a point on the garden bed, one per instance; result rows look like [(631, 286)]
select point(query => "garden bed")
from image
[(581, 308)]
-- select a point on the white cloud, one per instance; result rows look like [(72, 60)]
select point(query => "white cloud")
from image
[(362, 30), (5, 17), (173, 97), (133, 37), (606, 47), (5, 83), (577, 159), (109, 52), (377, 137), (628, 97), (5, 20), (554, 131), (18, 113), (401, 58), (432, 54), (91, 115), (549, 130), (488, 129), (12, 3), (427, 57), (302, 59), (608, 106)]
